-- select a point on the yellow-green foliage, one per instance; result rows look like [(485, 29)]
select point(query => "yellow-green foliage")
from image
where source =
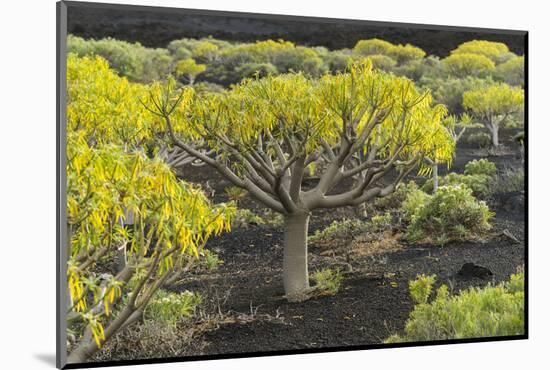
[(328, 281), (101, 105), (104, 185), (479, 184), (406, 53), (494, 103), (400, 53), (295, 105), (474, 313), (480, 167), (421, 288), (451, 213), (372, 47), (395, 199), (496, 51), (512, 71), (468, 64), (340, 231), (129, 59), (450, 90), (108, 179), (382, 62), (189, 69), (169, 308)]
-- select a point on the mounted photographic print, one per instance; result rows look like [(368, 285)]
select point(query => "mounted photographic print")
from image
[(234, 184)]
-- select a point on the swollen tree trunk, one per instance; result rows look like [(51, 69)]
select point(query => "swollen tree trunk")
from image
[(435, 176), (295, 272)]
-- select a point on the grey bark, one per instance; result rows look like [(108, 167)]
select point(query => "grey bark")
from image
[(295, 269), (494, 136), (435, 176)]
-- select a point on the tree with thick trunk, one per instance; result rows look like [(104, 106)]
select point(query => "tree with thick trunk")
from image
[(495, 105), (363, 124)]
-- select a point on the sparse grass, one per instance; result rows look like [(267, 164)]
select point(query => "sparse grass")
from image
[(328, 281)]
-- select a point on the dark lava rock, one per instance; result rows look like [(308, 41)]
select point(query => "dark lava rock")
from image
[(470, 270)]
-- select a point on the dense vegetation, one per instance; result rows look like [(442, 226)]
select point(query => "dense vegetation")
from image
[(297, 129)]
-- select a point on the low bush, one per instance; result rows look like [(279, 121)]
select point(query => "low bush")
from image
[(480, 139), (452, 213), (381, 222), (328, 281), (479, 184), (342, 231), (480, 167), (474, 313), (450, 90), (395, 199), (168, 308)]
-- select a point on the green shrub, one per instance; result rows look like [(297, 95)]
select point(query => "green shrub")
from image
[(406, 53), (498, 52), (481, 139), (450, 90), (132, 60), (372, 47), (328, 281), (468, 64), (381, 222), (337, 60), (421, 288), (510, 180), (343, 230), (418, 69), (210, 260), (207, 87), (169, 308), (479, 184), (395, 199), (414, 201), (480, 167), (382, 62), (451, 213), (474, 313), (255, 69), (512, 71)]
